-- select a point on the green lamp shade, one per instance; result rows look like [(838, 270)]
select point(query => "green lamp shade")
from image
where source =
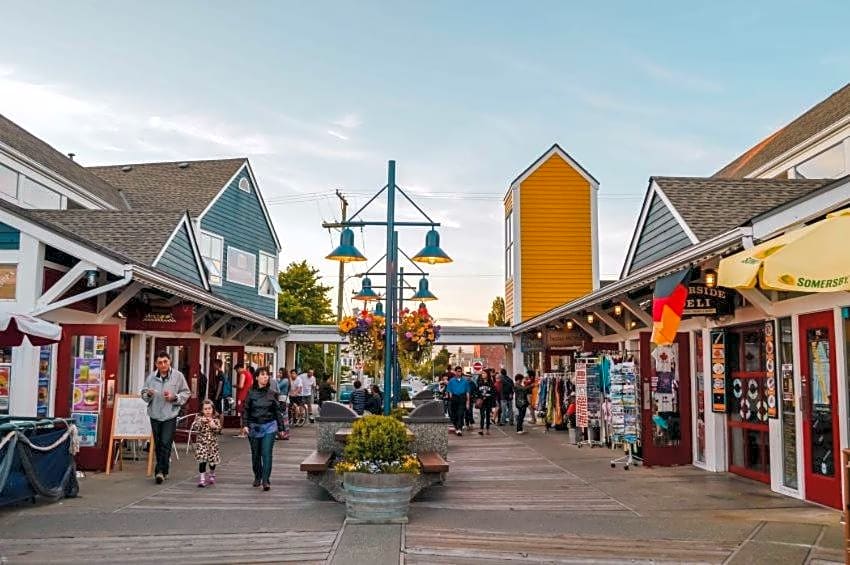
[(423, 294), (432, 253), (366, 293), (346, 252), (379, 309)]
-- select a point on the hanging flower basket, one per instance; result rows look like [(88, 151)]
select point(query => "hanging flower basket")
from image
[(417, 333), (365, 334)]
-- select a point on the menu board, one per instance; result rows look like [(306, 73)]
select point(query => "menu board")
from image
[(86, 428), (5, 384), (88, 382), (770, 367), (718, 371), (45, 372)]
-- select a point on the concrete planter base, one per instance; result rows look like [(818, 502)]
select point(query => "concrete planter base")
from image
[(377, 499)]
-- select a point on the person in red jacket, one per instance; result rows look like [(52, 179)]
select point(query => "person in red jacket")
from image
[(245, 380)]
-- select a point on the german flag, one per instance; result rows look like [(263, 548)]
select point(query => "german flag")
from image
[(668, 303)]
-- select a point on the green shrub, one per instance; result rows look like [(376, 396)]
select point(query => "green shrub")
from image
[(398, 413), (404, 395), (377, 438)]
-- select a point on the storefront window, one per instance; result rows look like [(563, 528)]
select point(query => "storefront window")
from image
[(665, 396), (87, 373), (45, 380), (822, 444), (788, 402), (699, 388), (8, 281), (5, 378)]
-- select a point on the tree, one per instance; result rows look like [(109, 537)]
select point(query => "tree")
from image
[(304, 300), (496, 317)]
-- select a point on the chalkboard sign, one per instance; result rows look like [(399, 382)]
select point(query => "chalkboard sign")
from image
[(130, 421)]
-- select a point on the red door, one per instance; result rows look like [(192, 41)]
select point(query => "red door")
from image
[(85, 387), (820, 409), (666, 404), (187, 360)]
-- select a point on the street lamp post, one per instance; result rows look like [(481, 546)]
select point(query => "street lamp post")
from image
[(431, 253)]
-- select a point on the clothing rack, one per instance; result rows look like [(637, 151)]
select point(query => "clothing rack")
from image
[(588, 400), (625, 413)]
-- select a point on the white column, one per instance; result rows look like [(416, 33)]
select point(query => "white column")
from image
[(23, 388), (138, 371), (517, 361), (716, 458)]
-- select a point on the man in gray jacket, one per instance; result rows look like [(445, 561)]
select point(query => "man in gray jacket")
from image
[(165, 392)]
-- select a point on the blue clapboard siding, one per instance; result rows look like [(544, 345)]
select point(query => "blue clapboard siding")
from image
[(238, 217), (179, 260), (662, 235), (10, 238)]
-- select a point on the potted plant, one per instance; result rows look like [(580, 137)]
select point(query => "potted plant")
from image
[(365, 334), (417, 331), (378, 468)]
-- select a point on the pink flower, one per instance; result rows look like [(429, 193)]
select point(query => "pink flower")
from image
[(408, 335)]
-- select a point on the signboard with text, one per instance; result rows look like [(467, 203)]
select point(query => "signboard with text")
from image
[(707, 301), (175, 319)]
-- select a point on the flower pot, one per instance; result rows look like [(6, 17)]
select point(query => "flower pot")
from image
[(377, 499)]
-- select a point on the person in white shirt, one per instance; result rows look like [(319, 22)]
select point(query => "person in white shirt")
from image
[(308, 385)]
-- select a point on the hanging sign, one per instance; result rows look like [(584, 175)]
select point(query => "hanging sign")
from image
[(560, 339), (705, 301), (175, 319), (718, 371), (770, 367)]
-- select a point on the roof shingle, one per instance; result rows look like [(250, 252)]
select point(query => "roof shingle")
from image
[(711, 206), (815, 120), (34, 148), (157, 186)]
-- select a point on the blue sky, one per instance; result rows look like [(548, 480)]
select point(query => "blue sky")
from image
[(464, 95)]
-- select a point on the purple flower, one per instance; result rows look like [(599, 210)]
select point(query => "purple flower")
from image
[(408, 335)]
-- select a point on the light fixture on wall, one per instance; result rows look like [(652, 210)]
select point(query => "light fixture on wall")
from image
[(569, 324), (710, 278), (539, 334), (618, 310), (632, 324), (590, 318)]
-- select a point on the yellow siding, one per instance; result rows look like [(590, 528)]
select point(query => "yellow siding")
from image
[(556, 238), (509, 301)]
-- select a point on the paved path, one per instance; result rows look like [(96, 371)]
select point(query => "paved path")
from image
[(508, 499)]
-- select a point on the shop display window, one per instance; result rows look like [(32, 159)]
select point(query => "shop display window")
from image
[(823, 440), (45, 380), (666, 418), (88, 379), (8, 281), (788, 404), (5, 379), (699, 389)]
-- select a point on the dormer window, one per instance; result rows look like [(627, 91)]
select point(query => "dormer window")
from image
[(245, 184), (829, 164)]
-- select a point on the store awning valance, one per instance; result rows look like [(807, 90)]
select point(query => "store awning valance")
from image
[(15, 327), (815, 258)]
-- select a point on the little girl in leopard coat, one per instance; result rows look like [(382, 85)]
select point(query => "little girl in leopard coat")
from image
[(207, 428)]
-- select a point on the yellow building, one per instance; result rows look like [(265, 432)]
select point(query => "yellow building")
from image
[(551, 240)]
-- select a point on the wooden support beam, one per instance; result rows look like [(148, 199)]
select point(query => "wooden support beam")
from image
[(638, 312), (199, 315), (62, 286), (237, 330), (217, 325), (79, 297), (247, 338), (609, 321), (593, 332), (113, 307), (757, 298)]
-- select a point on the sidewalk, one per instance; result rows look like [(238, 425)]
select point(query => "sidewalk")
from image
[(530, 498)]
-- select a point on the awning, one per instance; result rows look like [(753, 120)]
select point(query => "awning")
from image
[(815, 258), (14, 327)]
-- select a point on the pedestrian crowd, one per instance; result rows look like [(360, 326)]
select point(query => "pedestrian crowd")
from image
[(493, 395)]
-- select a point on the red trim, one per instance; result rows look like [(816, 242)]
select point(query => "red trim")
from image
[(193, 347), (750, 474)]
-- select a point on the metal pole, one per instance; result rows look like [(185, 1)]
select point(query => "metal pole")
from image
[(392, 264), (339, 297), (399, 375)]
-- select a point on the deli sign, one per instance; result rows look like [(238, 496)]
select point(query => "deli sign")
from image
[(705, 301), (175, 319)]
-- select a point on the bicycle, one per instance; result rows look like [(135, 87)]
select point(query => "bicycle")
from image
[(297, 414)]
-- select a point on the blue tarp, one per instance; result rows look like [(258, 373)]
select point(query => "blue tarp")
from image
[(29, 473)]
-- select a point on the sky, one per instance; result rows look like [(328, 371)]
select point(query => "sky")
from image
[(463, 95)]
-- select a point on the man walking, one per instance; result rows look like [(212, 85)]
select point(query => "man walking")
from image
[(507, 412), (458, 391), (308, 385), (165, 392)]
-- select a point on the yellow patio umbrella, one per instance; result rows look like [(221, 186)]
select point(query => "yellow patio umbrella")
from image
[(815, 258)]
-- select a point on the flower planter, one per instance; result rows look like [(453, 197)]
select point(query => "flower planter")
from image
[(377, 499)]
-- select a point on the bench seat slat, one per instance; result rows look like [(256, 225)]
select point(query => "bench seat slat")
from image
[(317, 462), (433, 462)]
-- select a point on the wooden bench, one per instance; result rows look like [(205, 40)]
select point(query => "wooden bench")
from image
[(317, 462), (433, 462)]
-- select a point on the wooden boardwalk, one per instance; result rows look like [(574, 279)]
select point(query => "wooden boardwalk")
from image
[(500, 473)]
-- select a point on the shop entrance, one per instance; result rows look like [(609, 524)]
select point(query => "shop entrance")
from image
[(185, 357), (749, 438), (87, 363), (230, 356), (820, 408)]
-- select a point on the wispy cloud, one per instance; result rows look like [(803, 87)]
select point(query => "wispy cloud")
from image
[(675, 77), (337, 135), (348, 121)]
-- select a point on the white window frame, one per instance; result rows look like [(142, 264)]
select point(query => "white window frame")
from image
[(275, 287), (246, 182), (844, 144), (253, 271), (210, 275), (509, 246)]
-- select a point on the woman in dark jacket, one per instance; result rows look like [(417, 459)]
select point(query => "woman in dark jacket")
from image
[(262, 419), (485, 401)]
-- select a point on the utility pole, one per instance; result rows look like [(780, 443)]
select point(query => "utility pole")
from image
[(339, 295)]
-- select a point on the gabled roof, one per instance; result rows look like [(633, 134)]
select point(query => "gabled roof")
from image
[(188, 185), (711, 206), (33, 148), (554, 150), (136, 237), (812, 122)]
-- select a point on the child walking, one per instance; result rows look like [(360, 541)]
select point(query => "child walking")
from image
[(207, 428)]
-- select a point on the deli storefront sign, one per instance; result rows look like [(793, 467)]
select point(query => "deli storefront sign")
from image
[(705, 301), (175, 319)]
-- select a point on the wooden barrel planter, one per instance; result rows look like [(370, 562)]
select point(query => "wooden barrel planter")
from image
[(377, 499)]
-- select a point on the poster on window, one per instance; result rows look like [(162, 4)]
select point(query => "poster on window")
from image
[(770, 367), (86, 428), (5, 383), (718, 372), (45, 371), (88, 379)]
